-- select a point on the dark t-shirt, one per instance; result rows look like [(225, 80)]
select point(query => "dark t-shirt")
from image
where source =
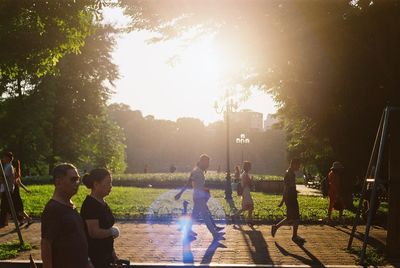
[(62, 225), (100, 250), (290, 179)]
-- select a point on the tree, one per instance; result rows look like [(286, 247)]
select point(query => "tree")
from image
[(327, 64), (37, 34), (69, 106)]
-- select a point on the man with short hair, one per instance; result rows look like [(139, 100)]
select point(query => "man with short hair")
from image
[(10, 178), (64, 243)]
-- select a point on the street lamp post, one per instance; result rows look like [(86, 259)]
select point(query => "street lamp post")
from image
[(242, 140), (227, 108)]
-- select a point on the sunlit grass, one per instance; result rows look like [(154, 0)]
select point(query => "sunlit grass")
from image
[(139, 203)]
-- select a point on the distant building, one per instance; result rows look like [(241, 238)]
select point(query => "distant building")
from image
[(269, 122), (248, 120)]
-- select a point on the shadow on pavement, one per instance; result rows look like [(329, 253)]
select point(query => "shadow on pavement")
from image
[(208, 255), (360, 236), (260, 255), (312, 261)]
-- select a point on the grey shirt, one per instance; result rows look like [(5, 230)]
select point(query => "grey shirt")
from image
[(10, 175)]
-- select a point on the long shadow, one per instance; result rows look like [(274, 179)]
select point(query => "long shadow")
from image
[(8, 232), (260, 255), (208, 255), (312, 261), (360, 236)]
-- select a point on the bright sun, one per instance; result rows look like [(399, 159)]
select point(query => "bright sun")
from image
[(175, 78)]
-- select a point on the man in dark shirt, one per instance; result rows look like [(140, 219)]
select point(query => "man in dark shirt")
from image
[(64, 243), (290, 199)]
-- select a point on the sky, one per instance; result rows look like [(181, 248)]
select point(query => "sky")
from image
[(171, 80)]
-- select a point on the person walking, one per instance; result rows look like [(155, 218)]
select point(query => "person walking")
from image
[(201, 195), (247, 201), (9, 173), (64, 243), (22, 216), (334, 190), (99, 220), (290, 199)]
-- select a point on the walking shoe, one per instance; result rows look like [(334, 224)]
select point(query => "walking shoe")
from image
[(273, 230)]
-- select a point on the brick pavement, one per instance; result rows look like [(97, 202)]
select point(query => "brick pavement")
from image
[(162, 243)]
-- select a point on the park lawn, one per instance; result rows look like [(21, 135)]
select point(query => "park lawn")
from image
[(142, 203), (10, 250)]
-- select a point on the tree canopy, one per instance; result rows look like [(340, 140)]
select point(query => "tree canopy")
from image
[(332, 66)]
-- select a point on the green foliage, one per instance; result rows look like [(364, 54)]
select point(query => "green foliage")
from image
[(373, 257), (64, 117), (36, 35), (10, 250)]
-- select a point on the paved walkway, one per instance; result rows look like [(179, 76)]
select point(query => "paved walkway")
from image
[(162, 243), (304, 190)]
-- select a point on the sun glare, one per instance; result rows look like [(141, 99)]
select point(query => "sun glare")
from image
[(177, 78)]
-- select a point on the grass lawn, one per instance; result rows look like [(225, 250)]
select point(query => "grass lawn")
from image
[(10, 250), (139, 203)]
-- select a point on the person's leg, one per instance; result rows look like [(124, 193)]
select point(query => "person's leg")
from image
[(204, 212), (295, 228), (3, 209), (194, 217), (250, 217), (275, 227), (330, 208), (238, 212)]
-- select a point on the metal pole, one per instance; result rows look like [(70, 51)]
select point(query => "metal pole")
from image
[(373, 194), (378, 134), (11, 204), (228, 187), (242, 152)]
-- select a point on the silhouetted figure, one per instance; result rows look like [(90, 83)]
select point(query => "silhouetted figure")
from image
[(201, 195), (172, 168), (146, 168), (247, 201), (335, 179), (99, 220), (237, 174), (10, 177), (22, 216), (290, 199)]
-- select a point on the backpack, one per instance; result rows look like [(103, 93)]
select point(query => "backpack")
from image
[(239, 189)]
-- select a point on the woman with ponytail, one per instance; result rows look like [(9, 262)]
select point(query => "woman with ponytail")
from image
[(100, 229)]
